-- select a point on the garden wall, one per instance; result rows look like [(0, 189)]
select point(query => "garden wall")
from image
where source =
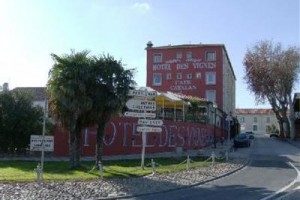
[(121, 138)]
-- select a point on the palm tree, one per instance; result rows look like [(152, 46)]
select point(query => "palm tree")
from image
[(69, 102), (108, 89)]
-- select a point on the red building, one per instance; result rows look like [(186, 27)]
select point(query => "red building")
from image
[(202, 70)]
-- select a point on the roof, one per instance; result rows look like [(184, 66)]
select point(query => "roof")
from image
[(192, 46), (186, 46), (38, 93), (251, 111)]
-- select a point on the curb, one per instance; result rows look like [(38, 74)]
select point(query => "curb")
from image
[(180, 187)]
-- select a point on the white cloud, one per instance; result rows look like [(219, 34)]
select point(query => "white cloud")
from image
[(141, 7)]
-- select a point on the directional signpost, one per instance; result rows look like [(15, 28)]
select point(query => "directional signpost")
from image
[(150, 122), (142, 108), (148, 129), (140, 115), (142, 93), (136, 104)]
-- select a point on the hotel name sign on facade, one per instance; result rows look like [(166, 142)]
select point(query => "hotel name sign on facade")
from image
[(183, 65)]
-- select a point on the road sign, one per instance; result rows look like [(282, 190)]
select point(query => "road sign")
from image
[(148, 129), (145, 105), (36, 143), (150, 122), (142, 93), (140, 115)]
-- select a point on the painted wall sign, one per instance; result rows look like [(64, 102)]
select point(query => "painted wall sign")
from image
[(121, 137)]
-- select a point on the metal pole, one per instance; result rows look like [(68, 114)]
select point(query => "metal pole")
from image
[(228, 133), (43, 143), (143, 140), (143, 150), (215, 140)]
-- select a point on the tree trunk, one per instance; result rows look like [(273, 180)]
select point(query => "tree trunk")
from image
[(292, 119), (99, 144), (281, 129), (74, 148)]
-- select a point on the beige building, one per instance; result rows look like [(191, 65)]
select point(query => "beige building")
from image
[(256, 120)]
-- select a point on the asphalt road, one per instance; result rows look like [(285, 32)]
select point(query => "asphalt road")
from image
[(270, 174)]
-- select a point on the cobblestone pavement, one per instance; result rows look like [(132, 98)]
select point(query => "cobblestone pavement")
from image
[(112, 188)]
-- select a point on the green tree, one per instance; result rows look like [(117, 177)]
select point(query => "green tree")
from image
[(69, 102), (271, 74), (18, 120), (108, 90)]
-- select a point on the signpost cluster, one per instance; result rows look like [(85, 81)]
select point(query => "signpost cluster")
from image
[(143, 107)]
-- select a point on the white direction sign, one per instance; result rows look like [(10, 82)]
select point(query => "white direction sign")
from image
[(148, 129), (142, 93), (140, 115), (150, 122), (136, 104), (36, 143)]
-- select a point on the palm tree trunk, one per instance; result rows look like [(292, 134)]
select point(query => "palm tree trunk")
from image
[(75, 148), (72, 148), (99, 145)]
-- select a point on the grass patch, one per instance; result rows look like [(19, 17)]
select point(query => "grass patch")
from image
[(59, 171)]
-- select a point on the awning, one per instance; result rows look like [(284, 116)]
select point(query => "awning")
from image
[(169, 100)]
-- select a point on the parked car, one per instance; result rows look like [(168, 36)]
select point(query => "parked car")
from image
[(275, 135), (250, 135), (242, 140)]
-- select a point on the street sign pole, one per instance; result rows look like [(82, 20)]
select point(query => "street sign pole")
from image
[(144, 137), (43, 141)]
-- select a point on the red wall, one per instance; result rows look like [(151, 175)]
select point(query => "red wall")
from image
[(193, 87), (121, 138)]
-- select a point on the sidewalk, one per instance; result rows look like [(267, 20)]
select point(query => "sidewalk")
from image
[(205, 152)]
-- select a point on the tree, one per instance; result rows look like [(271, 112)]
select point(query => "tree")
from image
[(69, 102), (108, 90), (271, 74), (18, 120), (85, 91)]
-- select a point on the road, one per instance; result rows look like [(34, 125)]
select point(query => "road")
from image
[(271, 173)]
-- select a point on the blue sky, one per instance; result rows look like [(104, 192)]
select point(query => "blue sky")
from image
[(30, 30)]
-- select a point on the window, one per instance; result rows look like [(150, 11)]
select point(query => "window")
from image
[(211, 95), (179, 76), (210, 56), (189, 55), (157, 58), (254, 127), (189, 76), (268, 120), (169, 76), (243, 119), (210, 78), (157, 79), (198, 75), (255, 119), (179, 55)]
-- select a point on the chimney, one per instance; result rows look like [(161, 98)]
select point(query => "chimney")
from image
[(149, 44), (5, 87)]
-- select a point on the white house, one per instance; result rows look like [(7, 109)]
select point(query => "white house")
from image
[(256, 120)]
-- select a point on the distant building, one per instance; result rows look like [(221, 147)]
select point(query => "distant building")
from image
[(201, 70), (256, 120), (38, 94)]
